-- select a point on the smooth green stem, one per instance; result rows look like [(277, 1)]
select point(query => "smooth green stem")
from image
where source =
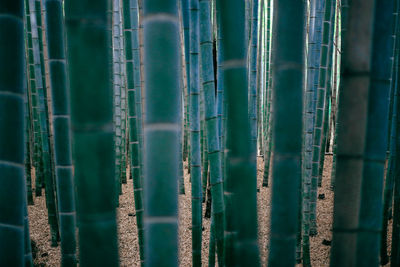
[(288, 69), (161, 131), (89, 48), (61, 126), (12, 133)]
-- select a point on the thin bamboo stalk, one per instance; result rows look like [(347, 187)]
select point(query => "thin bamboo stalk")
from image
[(194, 117), (61, 125), (48, 172), (213, 146)]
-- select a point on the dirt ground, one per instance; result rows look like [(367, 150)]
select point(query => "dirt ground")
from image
[(128, 245)]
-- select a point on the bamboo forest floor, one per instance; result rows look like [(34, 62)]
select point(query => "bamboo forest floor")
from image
[(129, 251)]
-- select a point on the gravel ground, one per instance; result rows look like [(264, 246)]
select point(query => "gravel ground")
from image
[(129, 251)]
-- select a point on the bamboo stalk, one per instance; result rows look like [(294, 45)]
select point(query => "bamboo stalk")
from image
[(212, 143), (194, 117), (34, 8), (288, 69), (351, 136), (161, 131), (370, 218), (12, 134), (88, 27), (241, 246), (61, 125)]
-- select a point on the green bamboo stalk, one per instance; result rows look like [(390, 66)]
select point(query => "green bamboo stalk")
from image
[(260, 74), (34, 9), (137, 76), (28, 126), (211, 247), (204, 154), (212, 155), (12, 134), (46, 90), (161, 130), (308, 121), (325, 126), (41, 33), (351, 136), (318, 144), (395, 249), (27, 240), (315, 53), (326, 136), (140, 32), (253, 77), (268, 96), (117, 87), (124, 106), (220, 89), (204, 161), (128, 16), (342, 9), (36, 138), (330, 89), (370, 218), (194, 118), (184, 104), (389, 179), (28, 165), (184, 8), (61, 123), (288, 63), (28, 260), (91, 116), (241, 246)]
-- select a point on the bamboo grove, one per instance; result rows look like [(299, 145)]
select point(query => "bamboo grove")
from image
[(238, 95)]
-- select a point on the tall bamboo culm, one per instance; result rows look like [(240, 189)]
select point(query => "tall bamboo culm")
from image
[(211, 125), (267, 96), (12, 168), (34, 105), (194, 118), (392, 150), (240, 195), (370, 216), (161, 131), (253, 76), (323, 78), (89, 51), (117, 94), (137, 83), (287, 129), (128, 16), (28, 259), (46, 160), (61, 125), (351, 134), (312, 76), (184, 7)]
